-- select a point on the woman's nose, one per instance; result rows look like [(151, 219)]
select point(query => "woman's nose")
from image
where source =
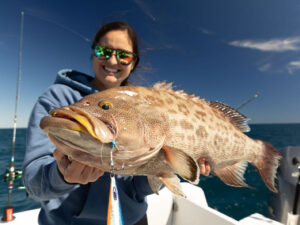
[(113, 58)]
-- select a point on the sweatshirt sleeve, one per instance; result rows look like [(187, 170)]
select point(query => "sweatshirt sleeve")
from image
[(40, 173)]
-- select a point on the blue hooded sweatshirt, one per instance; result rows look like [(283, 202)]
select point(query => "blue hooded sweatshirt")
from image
[(62, 202)]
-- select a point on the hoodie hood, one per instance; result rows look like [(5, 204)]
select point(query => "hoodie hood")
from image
[(76, 80)]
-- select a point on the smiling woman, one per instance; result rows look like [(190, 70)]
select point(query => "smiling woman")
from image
[(54, 180), (109, 71), (112, 42)]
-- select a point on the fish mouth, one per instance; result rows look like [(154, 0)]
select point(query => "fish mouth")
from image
[(74, 118)]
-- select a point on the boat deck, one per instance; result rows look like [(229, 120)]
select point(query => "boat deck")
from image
[(168, 209)]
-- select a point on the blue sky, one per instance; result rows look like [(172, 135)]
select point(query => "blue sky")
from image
[(219, 50)]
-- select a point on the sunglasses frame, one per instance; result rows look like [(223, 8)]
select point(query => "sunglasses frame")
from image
[(134, 56)]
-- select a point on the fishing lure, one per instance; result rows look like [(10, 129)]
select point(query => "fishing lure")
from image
[(114, 212)]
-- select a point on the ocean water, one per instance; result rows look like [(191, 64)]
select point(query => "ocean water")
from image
[(235, 202)]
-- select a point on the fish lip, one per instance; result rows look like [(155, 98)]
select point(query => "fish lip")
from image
[(68, 143), (105, 134)]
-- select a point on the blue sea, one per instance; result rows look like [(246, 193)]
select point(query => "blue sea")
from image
[(235, 202)]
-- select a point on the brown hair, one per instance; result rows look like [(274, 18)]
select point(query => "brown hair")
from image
[(132, 35)]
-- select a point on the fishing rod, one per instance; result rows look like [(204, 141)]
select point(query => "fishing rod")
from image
[(12, 173), (248, 101)]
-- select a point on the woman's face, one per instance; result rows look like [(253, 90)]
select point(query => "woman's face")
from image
[(110, 73)]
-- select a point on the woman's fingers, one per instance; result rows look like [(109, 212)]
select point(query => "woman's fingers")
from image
[(204, 166), (74, 171)]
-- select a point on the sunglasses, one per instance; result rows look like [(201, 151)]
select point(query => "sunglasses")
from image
[(123, 56)]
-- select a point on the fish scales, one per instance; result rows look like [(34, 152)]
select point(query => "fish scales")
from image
[(196, 127), (160, 132)]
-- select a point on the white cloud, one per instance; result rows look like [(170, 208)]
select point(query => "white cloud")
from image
[(205, 31), (272, 45), (265, 67), (292, 66), (145, 9)]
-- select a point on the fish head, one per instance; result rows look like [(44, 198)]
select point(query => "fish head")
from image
[(113, 116)]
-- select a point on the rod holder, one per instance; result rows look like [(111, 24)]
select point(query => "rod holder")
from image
[(8, 214)]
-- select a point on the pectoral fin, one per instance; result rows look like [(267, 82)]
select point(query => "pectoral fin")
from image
[(172, 182), (233, 175), (183, 164), (155, 183)]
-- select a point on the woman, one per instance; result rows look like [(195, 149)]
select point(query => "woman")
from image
[(70, 192)]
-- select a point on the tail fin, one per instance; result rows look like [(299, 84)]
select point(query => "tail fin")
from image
[(266, 163)]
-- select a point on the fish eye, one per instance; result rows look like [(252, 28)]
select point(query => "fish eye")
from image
[(106, 105)]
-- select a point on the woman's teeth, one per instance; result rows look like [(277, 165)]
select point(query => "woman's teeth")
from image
[(110, 69)]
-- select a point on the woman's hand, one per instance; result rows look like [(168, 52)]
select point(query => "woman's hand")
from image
[(204, 166), (74, 171)]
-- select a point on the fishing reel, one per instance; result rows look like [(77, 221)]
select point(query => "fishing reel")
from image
[(12, 175), (16, 174)]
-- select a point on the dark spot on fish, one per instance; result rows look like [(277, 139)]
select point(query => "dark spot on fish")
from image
[(183, 109), (186, 125), (219, 125), (191, 138), (159, 101), (201, 113), (172, 111), (150, 98), (236, 135), (179, 136), (197, 116), (201, 106), (169, 101), (218, 140), (201, 132)]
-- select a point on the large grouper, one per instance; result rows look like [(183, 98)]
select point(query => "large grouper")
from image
[(159, 132)]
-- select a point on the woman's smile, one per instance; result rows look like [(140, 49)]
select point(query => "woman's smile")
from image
[(109, 69)]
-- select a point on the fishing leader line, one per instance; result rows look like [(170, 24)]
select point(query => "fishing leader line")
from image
[(114, 211)]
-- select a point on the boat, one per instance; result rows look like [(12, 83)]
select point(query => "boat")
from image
[(169, 209), (284, 206)]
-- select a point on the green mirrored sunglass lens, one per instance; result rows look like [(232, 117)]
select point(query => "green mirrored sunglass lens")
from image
[(107, 52), (102, 52), (98, 51)]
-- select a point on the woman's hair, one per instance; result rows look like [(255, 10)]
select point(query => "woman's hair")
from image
[(132, 35)]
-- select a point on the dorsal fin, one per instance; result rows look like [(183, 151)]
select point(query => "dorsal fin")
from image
[(235, 117), (168, 86), (163, 85)]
